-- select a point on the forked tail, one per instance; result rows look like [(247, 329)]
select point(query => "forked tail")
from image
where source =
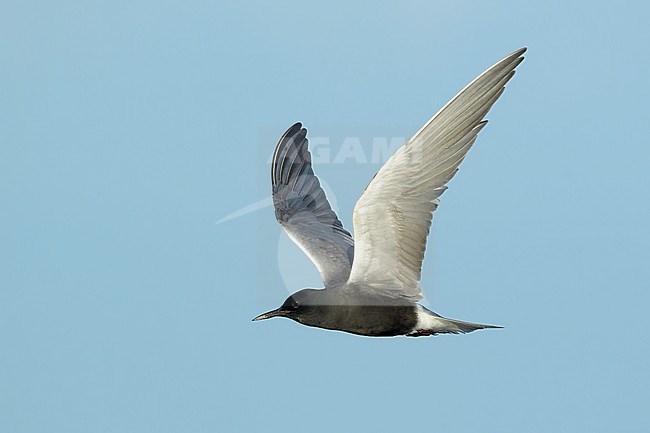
[(465, 327), (430, 323)]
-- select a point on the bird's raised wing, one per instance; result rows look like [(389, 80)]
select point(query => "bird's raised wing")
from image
[(393, 216), (303, 211)]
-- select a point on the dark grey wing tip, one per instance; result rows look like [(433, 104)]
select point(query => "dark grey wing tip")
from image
[(517, 53), (512, 60), (293, 130), (296, 134)]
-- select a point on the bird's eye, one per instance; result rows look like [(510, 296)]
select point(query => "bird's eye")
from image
[(294, 305)]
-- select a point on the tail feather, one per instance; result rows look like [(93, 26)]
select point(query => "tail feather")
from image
[(430, 323), (465, 327)]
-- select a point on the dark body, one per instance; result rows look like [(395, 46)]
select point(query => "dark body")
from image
[(370, 320), (360, 310), (355, 311)]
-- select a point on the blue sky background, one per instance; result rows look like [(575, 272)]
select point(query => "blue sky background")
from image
[(128, 128)]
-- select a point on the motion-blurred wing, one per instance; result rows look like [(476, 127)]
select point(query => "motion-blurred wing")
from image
[(303, 211), (393, 216)]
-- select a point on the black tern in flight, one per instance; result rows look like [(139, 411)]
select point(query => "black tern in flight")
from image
[(372, 283)]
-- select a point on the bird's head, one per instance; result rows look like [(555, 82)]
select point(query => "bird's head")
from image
[(294, 306)]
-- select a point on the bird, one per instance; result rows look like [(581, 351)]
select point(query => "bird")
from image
[(372, 282)]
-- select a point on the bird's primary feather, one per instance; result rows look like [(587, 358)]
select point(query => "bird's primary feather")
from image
[(302, 209), (393, 216)]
